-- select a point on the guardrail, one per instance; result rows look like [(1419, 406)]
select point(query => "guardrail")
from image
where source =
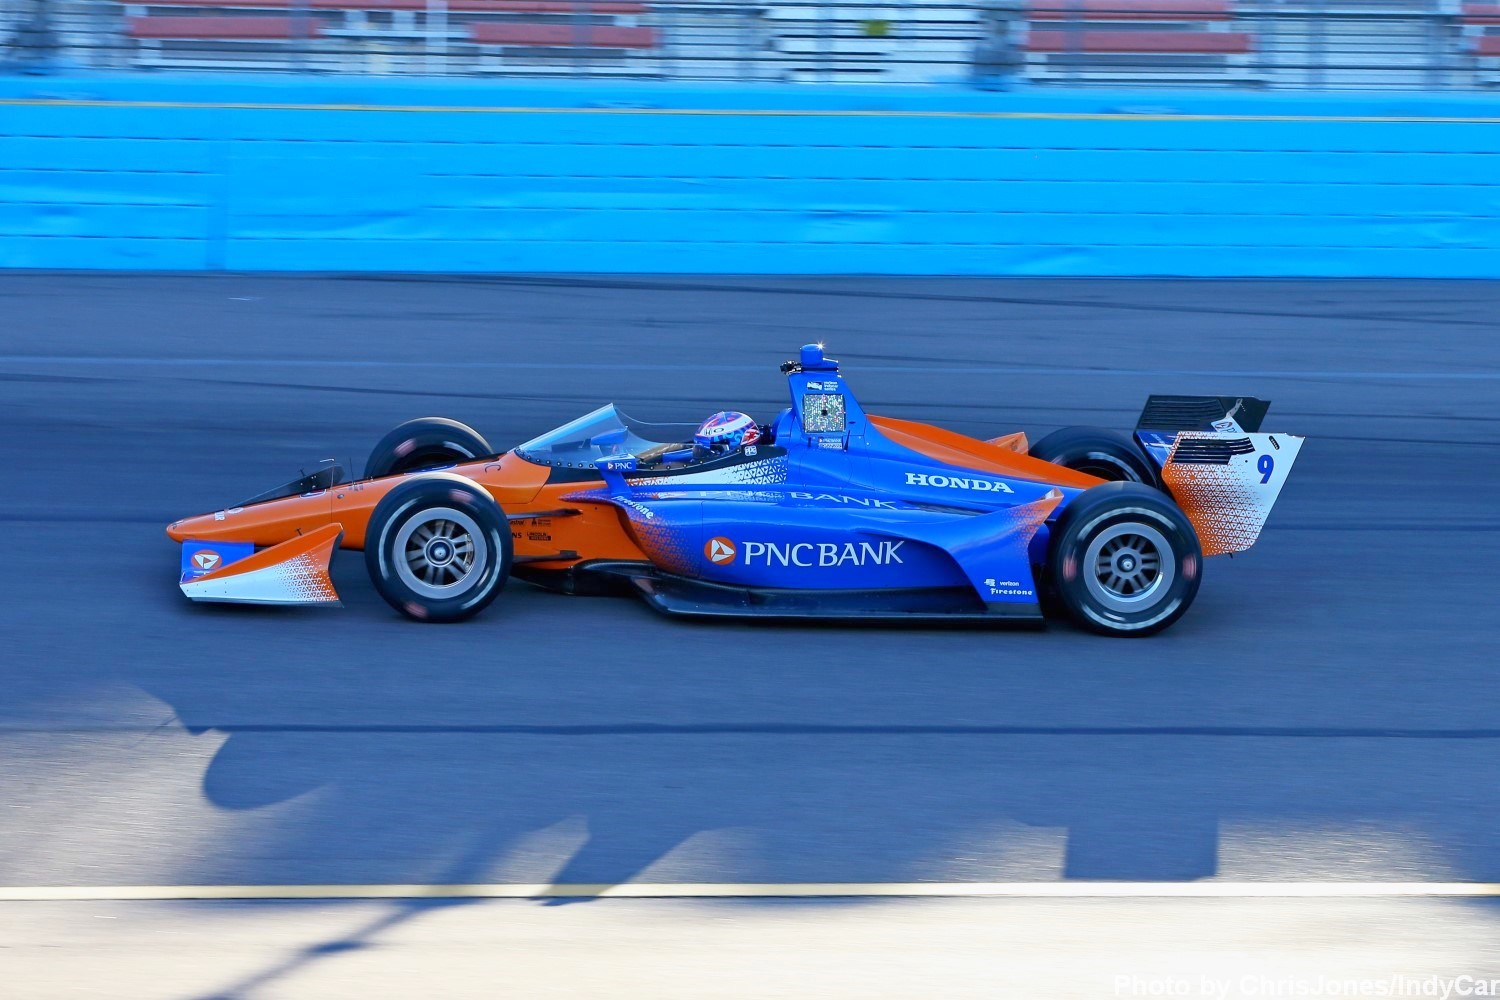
[(1261, 44)]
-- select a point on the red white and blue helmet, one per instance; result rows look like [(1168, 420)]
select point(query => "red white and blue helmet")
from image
[(725, 432)]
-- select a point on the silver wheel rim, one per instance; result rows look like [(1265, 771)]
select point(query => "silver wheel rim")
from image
[(1128, 566), (440, 553)]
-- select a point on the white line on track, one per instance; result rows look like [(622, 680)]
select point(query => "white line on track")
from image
[(147, 362), (748, 890)]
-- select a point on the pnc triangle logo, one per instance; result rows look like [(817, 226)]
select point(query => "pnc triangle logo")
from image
[(205, 559), (720, 551)]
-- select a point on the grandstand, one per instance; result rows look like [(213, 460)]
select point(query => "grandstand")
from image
[(1274, 44)]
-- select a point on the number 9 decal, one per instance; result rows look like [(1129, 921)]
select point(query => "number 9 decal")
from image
[(1264, 465)]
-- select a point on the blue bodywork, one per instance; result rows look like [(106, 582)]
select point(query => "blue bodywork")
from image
[(201, 558), (831, 516)]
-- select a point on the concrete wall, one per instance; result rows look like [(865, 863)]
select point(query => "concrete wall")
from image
[(292, 174)]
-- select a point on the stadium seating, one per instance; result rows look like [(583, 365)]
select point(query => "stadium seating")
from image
[(1183, 11), (392, 35), (217, 27), (1165, 43), (514, 46), (251, 41), (1480, 28), (1105, 40)]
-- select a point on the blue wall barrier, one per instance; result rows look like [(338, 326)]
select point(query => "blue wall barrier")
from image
[(294, 174)]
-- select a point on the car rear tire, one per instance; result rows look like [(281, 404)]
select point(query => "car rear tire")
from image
[(1096, 452), (1124, 560), (438, 548), (425, 443)]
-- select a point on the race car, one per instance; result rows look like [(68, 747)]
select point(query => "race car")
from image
[(825, 512)]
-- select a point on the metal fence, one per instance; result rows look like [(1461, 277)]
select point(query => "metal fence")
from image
[(1263, 44)]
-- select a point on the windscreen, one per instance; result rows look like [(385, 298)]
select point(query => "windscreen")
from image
[(605, 433), (328, 476)]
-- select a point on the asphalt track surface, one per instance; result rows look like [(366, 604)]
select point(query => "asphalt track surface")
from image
[(1327, 710)]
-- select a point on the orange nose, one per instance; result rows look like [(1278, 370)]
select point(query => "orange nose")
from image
[(266, 523), (200, 528)]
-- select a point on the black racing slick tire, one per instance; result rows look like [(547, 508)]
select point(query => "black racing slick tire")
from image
[(1124, 560), (438, 548), (1096, 452), (425, 443)]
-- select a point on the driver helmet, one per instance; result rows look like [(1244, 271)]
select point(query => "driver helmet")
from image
[(724, 433)]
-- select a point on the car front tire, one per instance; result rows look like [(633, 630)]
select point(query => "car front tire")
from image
[(425, 443), (438, 548)]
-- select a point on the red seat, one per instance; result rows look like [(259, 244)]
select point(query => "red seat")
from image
[(467, 6), (1487, 45), (232, 4), (1129, 10), (221, 27), (597, 36), (1209, 42), (1480, 13), (546, 7)]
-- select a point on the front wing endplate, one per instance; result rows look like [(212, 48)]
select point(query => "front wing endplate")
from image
[(293, 572)]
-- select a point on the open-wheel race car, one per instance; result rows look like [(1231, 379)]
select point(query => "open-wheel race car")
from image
[(827, 512)]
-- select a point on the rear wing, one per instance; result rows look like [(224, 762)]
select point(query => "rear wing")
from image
[(1223, 472), (1201, 413)]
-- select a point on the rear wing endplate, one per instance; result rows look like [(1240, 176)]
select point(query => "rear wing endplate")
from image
[(1223, 473)]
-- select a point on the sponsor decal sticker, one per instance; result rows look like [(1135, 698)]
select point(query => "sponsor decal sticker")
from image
[(823, 555), (1008, 588), (841, 498), (957, 483), (200, 558), (1010, 592), (831, 444), (634, 505), (720, 551)]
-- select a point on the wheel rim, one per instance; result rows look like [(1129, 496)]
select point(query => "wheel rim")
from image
[(1128, 566), (440, 553)]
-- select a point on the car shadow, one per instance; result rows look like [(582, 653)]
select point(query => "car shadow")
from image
[(570, 742)]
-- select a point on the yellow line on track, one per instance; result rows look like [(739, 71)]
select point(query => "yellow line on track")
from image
[(745, 890), (741, 112)]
